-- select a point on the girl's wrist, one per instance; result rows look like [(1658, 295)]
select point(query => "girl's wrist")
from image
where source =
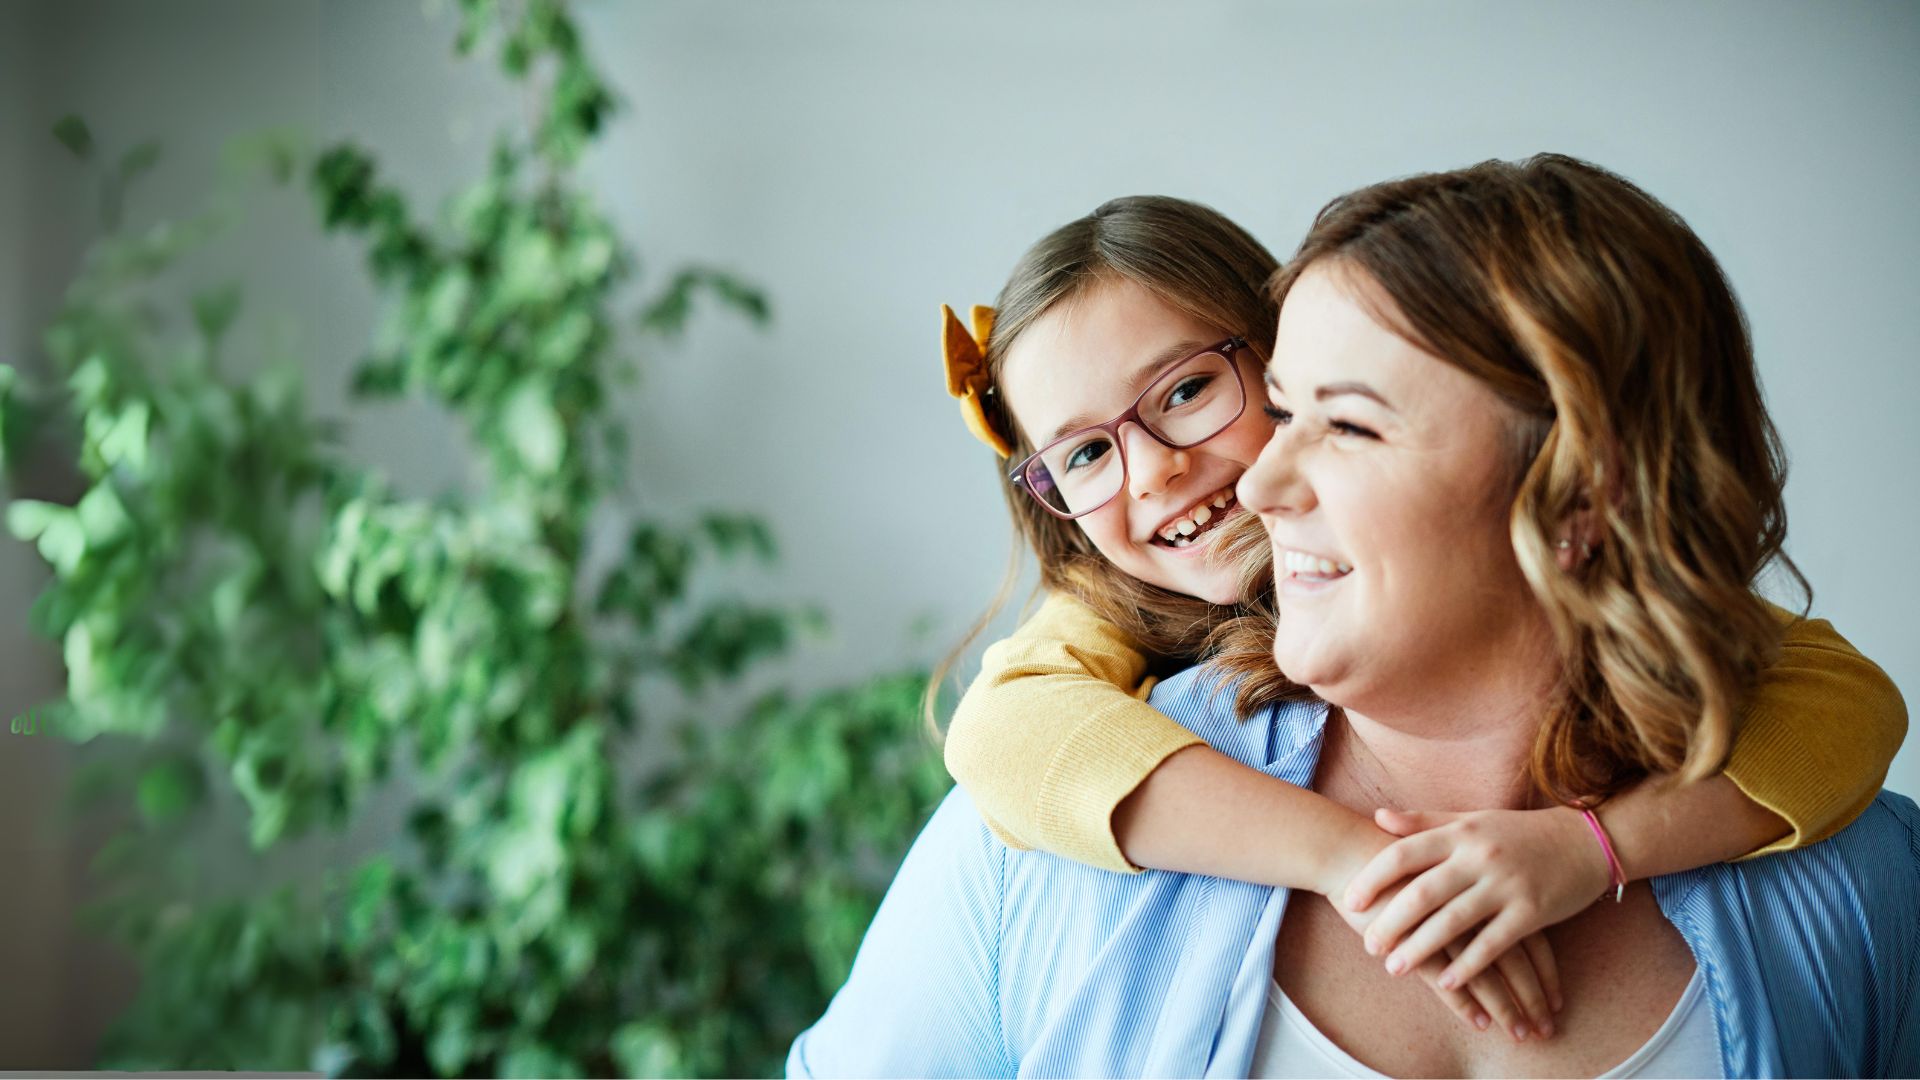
[(1360, 841), (1597, 854)]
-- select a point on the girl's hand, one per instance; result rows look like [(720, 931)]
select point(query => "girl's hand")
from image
[(1518, 997), (1508, 872)]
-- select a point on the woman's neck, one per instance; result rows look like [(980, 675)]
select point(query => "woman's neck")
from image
[(1466, 750)]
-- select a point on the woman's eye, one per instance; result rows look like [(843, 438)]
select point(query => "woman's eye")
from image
[(1277, 415), (1341, 427), (1086, 454)]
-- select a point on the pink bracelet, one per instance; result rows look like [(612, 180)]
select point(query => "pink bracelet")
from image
[(1614, 868)]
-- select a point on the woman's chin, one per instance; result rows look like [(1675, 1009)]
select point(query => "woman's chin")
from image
[(1305, 665)]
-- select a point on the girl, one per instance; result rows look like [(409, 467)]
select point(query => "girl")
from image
[(1149, 565)]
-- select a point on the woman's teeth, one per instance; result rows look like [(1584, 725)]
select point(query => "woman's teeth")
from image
[(1299, 562), (1182, 531)]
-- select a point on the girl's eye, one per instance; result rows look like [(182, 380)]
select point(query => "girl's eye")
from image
[(1341, 427), (1087, 453), (1279, 416), (1188, 390)]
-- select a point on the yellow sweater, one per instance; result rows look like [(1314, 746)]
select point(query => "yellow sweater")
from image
[(1056, 731)]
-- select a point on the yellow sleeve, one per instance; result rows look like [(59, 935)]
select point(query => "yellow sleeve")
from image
[(1055, 733), (1820, 729)]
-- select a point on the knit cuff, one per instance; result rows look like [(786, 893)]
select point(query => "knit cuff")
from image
[(1772, 767), (1096, 767)]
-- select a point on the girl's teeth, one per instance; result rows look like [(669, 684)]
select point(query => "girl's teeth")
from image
[(1180, 533)]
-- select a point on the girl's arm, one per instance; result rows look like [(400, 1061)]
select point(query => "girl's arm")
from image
[(1059, 751), (1820, 729)]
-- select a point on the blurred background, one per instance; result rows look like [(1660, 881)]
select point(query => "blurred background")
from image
[(761, 207)]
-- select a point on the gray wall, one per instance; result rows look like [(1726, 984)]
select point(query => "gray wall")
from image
[(868, 160)]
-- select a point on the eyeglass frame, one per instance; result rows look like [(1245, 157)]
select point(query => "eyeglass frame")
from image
[(1017, 476)]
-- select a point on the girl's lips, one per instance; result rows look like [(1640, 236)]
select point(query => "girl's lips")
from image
[(1219, 516), (1202, 539)]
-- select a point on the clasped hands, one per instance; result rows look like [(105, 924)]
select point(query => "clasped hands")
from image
[(1461, 900)]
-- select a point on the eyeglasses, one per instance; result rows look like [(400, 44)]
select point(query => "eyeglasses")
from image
[(1197, 397)]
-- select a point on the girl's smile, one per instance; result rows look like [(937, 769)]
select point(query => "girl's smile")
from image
[(1091, 359)]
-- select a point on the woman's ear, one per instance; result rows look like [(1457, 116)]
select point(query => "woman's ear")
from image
[(1579, 535)]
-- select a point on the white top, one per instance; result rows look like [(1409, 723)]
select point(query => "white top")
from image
[(1687, 1045)]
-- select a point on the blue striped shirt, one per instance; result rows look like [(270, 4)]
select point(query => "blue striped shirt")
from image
[(984, 961)]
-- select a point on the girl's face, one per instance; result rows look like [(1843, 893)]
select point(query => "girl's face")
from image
[(1385, 493), (1083, 363)]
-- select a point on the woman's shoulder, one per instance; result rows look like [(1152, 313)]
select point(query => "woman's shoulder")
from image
[(1201, 701), (1816, 947)]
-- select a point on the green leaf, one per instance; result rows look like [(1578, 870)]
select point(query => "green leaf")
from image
[(451, 1046), (644, 1048), (125, 440), (139, 159), (741, 297), (214, 311), (667, 314), (533, 427), (27, 519), (64, 544), (73, 134), (170, 789), (103, 517), (10, 428)]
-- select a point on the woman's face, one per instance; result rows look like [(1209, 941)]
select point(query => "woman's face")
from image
[(1385, 491), (1083, 363)]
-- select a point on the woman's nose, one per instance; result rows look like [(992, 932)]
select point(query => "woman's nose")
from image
[(1273, 484), (1152, 466)]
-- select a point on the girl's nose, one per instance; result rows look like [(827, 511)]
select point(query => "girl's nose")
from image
[(1152, 466)]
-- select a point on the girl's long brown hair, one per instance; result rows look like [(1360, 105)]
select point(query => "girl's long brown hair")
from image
[(1602, 319), (1204, 265)]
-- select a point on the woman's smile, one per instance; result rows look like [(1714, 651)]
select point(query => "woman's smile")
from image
[(1304, 573)]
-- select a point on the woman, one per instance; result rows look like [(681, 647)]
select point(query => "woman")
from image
[(1547, 334)]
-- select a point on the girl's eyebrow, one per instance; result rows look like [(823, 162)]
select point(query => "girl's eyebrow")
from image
[(1135, 384), (1332, 390)]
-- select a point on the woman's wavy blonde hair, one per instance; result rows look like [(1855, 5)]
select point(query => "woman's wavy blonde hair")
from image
[(1602, 319), (1204, 265)]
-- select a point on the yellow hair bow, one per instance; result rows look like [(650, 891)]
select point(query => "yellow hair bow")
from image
[(966, 359)]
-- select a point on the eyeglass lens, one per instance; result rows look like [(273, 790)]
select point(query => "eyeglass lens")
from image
[(1190, 404)]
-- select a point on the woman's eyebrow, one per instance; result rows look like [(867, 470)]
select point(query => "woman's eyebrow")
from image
[(1135, 384), (1359, 389), (1332, 390)]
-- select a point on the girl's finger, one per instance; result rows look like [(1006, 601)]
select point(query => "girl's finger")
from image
[(1541, 954), (1408, 822), (1452, 922), (1397, 860), (1492, 994), (1413, 905), (1462, 1003), (1523, 981), (1502, 933)]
